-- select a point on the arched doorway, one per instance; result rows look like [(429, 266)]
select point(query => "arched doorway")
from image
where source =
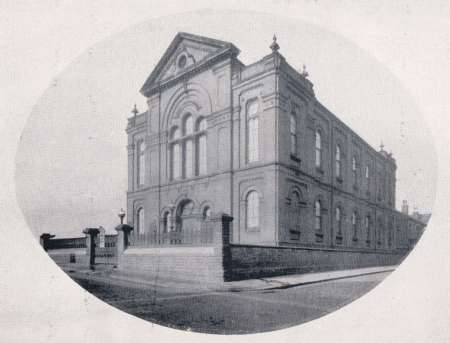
[(185, 222)]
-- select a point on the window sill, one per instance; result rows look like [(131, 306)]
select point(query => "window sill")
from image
[(253, 229)]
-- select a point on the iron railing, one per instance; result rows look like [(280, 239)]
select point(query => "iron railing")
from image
[(202, 234)]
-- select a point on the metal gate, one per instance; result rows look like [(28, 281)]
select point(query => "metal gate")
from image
[(105, 249)]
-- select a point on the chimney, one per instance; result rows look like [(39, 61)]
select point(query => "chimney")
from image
[(405, 207)]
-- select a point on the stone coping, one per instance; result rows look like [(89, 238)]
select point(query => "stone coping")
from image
[(76, 251), (172, 251)]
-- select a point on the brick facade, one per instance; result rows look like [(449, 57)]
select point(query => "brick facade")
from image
[(204, 77)]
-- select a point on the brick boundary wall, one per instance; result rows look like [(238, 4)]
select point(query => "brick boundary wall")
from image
[(253, 261)]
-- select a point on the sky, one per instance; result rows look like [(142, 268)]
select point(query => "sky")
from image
[(71, 160)]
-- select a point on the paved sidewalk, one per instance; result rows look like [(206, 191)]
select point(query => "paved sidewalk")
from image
[(114, 276), (287, 281)]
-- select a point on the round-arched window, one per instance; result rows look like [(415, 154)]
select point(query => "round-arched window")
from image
[(140, 221), (206, 213), (252, 210)]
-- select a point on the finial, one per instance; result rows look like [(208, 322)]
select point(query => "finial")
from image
[(304, 72), (274, 46), (134, 110), (381, 146)]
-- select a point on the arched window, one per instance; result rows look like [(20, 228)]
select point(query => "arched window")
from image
[(355, 225), (201, 124), (188, 158), (318, 215), (338, 161), (206, 213), (367, 172), (175, 152), (354, 170), (338, 216), (390, 234), (188, 125), (252, 211), (140, 225), (318, 148), (141, 162), (252, 132), (295, 210), (201, 147), (176, 160), (176, 133), (293, 132), (167, 221), (188, 146), (380, 232), (367, 227)]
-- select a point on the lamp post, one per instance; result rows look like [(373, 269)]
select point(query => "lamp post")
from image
[(121, 215)]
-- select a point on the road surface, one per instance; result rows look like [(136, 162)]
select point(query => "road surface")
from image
[(233, 312)]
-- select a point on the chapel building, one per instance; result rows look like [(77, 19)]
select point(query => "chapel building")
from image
[(254, 142)]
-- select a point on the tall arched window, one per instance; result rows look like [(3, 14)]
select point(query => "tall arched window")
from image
[(367, 173), (338, 162), (167, 218), (188, 125), (175, 154), (252, 210), (141, 162), (252, 132), (318, 215), (390, 233), (355, 225), (367, 227), (201, 147), (188, 158), (295, 210), (318, 149), (140, 221), (293, 133), (338, 218), (379, 232), (354, 170), (188, 153)]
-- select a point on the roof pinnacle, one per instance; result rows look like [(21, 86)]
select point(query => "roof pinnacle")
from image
[(274, 46), (304, 71), (135, 110)]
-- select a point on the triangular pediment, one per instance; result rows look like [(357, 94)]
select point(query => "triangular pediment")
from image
[(184, 54)]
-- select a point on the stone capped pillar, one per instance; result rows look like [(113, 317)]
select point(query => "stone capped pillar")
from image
[(44, 239), (221, 226), (91, 234), (123, 234)]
